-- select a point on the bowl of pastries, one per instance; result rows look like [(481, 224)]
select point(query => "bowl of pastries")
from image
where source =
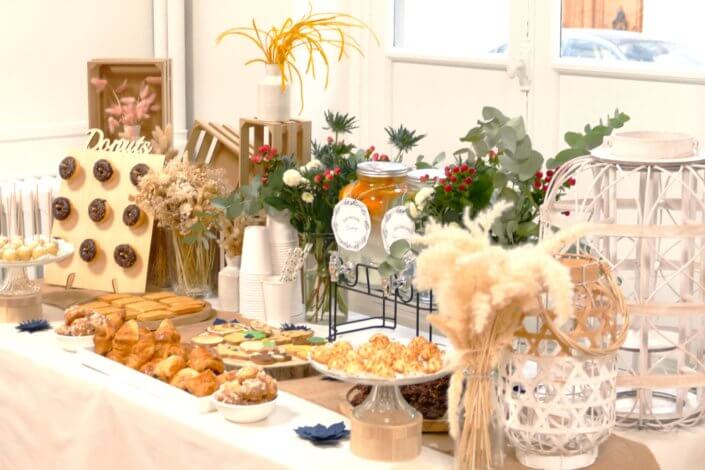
[(197, 370), (78, 328), (381, 360), (247, 395)]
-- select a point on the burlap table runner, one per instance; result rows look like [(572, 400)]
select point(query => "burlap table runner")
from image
[(617, 453)]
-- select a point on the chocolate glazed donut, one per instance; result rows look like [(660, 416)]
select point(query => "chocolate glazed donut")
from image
[(61, 208), (137, 172), (102, 170), (67, 167), (88, 250), (131, 215), (125, 255), (97, 210)]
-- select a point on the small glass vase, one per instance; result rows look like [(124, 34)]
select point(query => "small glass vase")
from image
[(479, 444), (191, 266), (133, 132), (317, 285)]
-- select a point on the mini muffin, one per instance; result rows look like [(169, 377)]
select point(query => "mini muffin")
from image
[(102, 170), (98, 210), (9, 254), (137, 172), (24, 253), (61, 208), (39, 251), (88, 250), (67, 168), (52, 247), (133, 216), (124, 255)]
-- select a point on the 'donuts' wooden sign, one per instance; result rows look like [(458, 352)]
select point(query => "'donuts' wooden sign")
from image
[(93, 211)]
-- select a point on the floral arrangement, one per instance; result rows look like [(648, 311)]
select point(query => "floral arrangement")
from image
[(180, 196), (128, 110), (483, 290), (501, 164), (312, 33)]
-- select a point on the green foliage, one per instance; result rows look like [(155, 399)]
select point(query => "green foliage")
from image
[(582, 143), (244, 201), (403, 140), (339, 123)]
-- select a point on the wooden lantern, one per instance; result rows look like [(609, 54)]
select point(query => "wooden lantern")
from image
[(291, 137)]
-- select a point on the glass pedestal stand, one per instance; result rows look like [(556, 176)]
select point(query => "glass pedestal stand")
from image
[(17, 283), (385, 405)]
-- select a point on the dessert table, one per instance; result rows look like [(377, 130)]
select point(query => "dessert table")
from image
[(58, 413)]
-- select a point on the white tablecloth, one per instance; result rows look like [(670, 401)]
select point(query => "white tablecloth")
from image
[(56, 413)]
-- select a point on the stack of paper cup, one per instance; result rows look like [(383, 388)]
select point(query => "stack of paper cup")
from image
[(255, 266), (283, 238), (279, 298)]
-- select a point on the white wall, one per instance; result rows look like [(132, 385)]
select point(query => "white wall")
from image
[(43, 87), (225, 90)]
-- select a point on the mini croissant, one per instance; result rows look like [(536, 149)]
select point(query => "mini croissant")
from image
[(201, 359)]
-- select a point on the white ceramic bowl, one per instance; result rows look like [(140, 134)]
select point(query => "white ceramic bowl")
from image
[(245, 413), (74, 343)]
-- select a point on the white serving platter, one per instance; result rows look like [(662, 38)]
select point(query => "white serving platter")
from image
[(155, 387)]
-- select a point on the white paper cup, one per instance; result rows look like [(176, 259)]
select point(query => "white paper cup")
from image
[(256, 256), (280, 230), (279, 300)]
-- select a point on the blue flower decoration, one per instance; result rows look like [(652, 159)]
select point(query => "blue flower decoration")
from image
[(32, 326), (221, 321), (292, 327), (320, 434)]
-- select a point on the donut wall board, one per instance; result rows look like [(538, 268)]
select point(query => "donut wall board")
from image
[(93, 211)]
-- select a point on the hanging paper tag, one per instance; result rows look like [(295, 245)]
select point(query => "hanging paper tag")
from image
[(351, 224), (396, 225)]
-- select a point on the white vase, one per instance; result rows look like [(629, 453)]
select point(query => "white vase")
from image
[(272, 102), (132, 132), (229, 285)]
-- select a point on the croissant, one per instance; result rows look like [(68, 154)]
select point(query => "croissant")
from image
[(202, 385), (179, 380), (74, 313), (201, 358), (149, 367), (166, 333), (167, 368), (163, 351), (116, 319), (126, 337), (117, 356), (142, 351), (103, 339)]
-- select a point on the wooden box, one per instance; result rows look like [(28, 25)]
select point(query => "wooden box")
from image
[(291, 137), (216, 145), (115, 71)]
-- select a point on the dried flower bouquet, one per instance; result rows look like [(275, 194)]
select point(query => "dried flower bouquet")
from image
[(483, 291)]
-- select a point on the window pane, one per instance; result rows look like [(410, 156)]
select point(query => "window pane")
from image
[(458, 28), (623, 32)]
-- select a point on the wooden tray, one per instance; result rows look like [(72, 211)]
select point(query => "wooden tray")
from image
[(294, 369)]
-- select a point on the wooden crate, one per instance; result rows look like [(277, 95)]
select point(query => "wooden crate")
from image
[(291, 137), (216, 145), (134, 70)]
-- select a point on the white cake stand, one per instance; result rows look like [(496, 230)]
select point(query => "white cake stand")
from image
[(16, 281)]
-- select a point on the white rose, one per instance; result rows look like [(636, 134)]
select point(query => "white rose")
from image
[(314, 165), (307, 197), (292, 178), (413, 211), (422, 196)]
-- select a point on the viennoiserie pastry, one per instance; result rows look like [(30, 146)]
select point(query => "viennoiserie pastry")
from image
[(88, 250), (98, 210), (124, 255), (67, 167), (102, 170), (132, 216), (137, 172), (61, 208), (251, 385)]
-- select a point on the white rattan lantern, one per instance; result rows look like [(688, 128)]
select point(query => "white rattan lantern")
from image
[(558, 385), (648, 222)]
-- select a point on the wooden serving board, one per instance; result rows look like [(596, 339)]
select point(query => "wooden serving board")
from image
[(207, 313)]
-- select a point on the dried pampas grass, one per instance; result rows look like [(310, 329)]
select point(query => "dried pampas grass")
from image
[(483, 291)]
